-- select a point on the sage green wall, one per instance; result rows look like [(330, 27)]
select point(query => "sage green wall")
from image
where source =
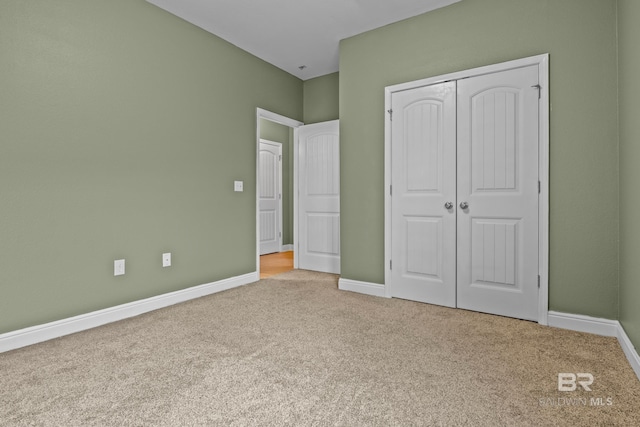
[(629, 99), (321, 99), (279, 133), (123, 128), (580, 36)]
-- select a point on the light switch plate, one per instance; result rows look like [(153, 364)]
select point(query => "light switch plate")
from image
[(166, 259), (118, 267), (238, 186)]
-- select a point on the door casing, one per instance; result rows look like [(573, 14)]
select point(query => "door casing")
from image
[(542, 61)]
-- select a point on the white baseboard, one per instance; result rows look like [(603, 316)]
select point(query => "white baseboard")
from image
[(59, 328), (629, 350), (580, 323), (594, 325), (366, 288), (286, 248)]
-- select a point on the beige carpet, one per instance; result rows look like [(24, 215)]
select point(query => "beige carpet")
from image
[(294, 350)]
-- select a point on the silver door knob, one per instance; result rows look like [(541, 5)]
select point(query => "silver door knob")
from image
[(448, 205), (464, 205)]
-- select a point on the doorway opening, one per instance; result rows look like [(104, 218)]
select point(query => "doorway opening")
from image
[(276, 128), (275, 263)]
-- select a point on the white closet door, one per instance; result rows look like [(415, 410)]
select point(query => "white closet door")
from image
[(319, 197), (424, 194), (270, 197), (498, 180)]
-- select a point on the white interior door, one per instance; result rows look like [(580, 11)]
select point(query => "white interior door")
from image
[(424, 194), (270, 196), (498, 180), (472, 143), (318, 236)]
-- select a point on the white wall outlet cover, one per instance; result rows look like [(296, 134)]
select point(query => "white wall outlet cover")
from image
[(118, 267), (166, 259), (238, 185)]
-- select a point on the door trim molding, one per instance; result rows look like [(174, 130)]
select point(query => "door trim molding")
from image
[(542, 61), (283, 120)]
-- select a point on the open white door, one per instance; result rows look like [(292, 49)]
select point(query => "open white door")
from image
[(270, 197), (318, 170)]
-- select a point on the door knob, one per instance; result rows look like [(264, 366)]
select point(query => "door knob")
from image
[(464, 205), (448, 205)]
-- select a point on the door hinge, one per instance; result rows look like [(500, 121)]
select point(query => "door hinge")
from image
[(280, 234), (539, 187), (538, 281), (280, 196), (391, 190), (280, 157), (390, 265), (539, 90), (390, 111)]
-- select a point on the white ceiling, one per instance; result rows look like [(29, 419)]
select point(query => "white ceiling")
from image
[(294, 33)]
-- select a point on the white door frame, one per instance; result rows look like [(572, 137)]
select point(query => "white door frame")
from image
[(286, 121), (542, 61)]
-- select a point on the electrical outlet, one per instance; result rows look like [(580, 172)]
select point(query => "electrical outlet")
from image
[(166, 259), (118, 267), (238, 186)]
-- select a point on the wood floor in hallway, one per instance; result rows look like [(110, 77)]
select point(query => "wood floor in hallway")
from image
[(272, 264)]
